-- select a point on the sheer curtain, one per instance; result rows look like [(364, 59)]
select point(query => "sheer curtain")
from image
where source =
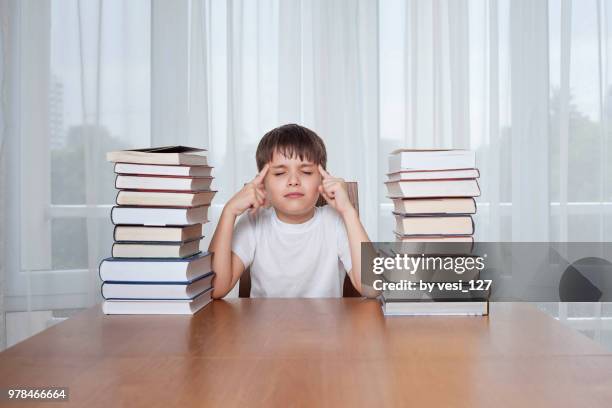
[(504, 78), (524, 83)]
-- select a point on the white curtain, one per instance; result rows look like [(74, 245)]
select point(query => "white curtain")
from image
[(524, 83)]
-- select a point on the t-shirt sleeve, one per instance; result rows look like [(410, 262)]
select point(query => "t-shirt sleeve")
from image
[(243, 239), (344, 250)]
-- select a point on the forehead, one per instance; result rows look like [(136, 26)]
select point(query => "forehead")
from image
[(279, 159)]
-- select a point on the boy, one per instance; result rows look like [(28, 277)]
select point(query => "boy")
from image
[(293, 248)]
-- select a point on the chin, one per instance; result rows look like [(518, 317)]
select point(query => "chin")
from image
[(294, 208)]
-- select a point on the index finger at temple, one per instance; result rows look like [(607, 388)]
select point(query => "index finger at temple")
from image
[(262, 174), (324, 174)]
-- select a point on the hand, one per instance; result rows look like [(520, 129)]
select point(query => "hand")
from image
[(334, 191), (252, 195)]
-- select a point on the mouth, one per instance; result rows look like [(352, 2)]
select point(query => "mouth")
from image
[(294, 195)]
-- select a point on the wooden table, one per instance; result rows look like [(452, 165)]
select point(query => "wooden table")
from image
[(298, 352)]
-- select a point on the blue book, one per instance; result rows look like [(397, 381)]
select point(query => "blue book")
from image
[(157, 306), (156, 269), (157, 290), (155, 249)]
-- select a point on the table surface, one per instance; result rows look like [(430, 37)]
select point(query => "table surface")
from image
[(306, 352)]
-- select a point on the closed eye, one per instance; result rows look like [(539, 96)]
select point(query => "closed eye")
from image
[(307, 172), (279, 174)]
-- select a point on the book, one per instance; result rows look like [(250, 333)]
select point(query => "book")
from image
[(163, 170), (433, 174), (429, 308), (433, 238), (428, 225), (164, 183), (155, 250), (459, 205), (159, 215), (178, 155), (129, 233), (431, 159), (156, 269), (157, 290), (164, 199), (157, 306), (431, 189)]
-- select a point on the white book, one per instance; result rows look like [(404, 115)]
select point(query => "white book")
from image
[(426, 225), (161, 170), (433, 174), (155, 270), (465, 308), (155, 249), (433, 188), (184, 291), (433, 238), (157, 234), (431, 159), (159, 216), (163, 183), (434, 205), (165, 199), (149, 306)]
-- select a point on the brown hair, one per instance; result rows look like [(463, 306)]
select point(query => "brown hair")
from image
[(291, 140)]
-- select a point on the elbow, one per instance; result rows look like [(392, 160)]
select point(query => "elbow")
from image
[(369, 292), (218, 294), (219, 289)]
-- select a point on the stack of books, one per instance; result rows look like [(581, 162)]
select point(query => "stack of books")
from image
[(433, 202), (162, 203)]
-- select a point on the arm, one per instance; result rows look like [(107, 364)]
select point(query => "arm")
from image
[(356, 235), (227, 266), (335, 193)]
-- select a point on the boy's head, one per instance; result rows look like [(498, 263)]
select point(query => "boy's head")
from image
[(294, 154)]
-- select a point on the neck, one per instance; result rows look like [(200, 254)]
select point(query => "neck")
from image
[(295, 219)]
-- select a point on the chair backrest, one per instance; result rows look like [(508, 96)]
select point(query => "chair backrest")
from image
[(244, 290)]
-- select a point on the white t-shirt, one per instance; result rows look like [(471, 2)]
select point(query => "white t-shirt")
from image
[(293, 260)]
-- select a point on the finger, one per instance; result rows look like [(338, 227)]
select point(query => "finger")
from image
[(331, 190), (331, 186), (261, 198), (324, 194), (262, 174), (324, 174), (330, 181), (254, 206)]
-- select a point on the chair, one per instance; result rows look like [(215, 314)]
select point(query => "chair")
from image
[(244, 290)]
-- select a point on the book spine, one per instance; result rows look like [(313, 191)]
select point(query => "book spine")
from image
[(113, 250), (116, 177), (478, 187), (474, 201), (100, 270), (115, 233), (102, 290), (473, 225), (111, 215), (118, 192)]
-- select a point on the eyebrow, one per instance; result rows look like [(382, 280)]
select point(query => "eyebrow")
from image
[(282, 166)]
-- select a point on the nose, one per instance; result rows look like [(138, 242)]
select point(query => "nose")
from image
[(293, 179)]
